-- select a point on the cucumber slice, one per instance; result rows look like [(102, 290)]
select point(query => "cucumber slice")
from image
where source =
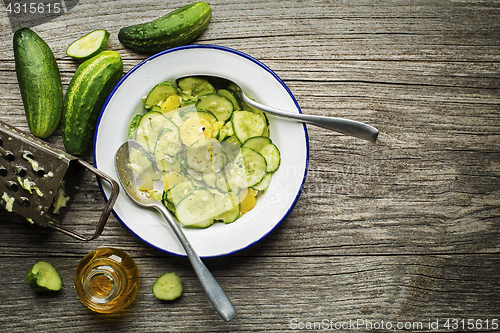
[(232, 97), (42, 276), (167, 163), (150, 126), (264, 183), (206, 157), (159, 93), (193, 112), (134, 123), (168, 287), (220, 106), (210, 179), (168, 142), (247, 169), (181, 190), (89, 45), (196, 209), (268, 149), (194, 87), (139, 161), (247, 124), (229, 206)]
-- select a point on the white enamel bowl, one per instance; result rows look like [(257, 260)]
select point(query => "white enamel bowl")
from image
[(257, 81)]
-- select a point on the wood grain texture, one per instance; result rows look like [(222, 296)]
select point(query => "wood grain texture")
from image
[(403, 231)]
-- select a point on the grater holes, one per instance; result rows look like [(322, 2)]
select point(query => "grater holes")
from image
[(25, 202), (40, 173), (13, 186), (21, 172), (3, 172)]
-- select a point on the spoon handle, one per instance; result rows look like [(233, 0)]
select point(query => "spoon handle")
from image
[(344, 126), (217, 296)]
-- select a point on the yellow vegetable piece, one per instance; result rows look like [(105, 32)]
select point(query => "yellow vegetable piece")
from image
[(171, 103), (194, 129), (171, 179), (248, 200)]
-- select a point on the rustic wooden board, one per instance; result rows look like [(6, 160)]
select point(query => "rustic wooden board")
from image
[(405, 231)]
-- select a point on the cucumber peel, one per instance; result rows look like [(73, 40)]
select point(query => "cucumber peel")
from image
[(89, 45), (42, 276), (168, 287)]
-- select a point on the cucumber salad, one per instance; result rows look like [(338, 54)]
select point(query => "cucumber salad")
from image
[(212, 150)]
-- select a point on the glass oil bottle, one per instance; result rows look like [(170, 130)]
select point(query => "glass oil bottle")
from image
[(107, 280)]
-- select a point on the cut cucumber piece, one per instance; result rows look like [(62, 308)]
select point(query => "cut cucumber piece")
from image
[(139, 161), (228, 204), (167, 163), (269, 150), (42, 276), (88, 45), (194, 87), (210, 179), (196, 209), (159, 94), (168, 142), (232, 97), (264, 183), (178, 192), (134, 123), (206, 157), (247, 124), (220, 106), (247, 169), (168, 287), (150, 126)]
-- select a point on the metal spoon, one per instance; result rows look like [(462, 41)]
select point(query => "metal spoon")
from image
[(340, 125), (128, 181)]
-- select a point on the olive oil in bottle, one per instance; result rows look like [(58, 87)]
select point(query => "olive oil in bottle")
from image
[(107, 280)]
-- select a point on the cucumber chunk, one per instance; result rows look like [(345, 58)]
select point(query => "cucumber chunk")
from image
[(181, 190), (194, 87), (207, 157), (228, 204), (220, 106), (268, 149), (247, 169), (247, 124), (168, 287), (150, 126), (89, 45), (159, 93), (264, 183), (232, 97), (196, 209), (42, 276)]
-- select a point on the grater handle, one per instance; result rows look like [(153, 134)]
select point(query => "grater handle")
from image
[(115, 189)]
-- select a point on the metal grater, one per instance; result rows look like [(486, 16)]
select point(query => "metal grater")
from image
[(31, 173)]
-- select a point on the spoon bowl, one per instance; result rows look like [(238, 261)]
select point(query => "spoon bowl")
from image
[(345, 126), (130, 182)]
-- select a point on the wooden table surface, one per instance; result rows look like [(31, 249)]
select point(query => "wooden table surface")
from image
[(402, 235)]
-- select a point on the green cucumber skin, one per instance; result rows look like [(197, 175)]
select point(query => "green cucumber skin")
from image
[(86, 94), (39, 82), (177, 28)]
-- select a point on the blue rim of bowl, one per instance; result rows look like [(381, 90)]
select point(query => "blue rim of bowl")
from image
[(224, 49)]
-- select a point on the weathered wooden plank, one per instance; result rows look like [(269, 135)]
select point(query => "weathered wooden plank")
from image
[(280, 292), (405, 231)]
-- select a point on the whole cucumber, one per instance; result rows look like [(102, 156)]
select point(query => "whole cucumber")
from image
[(87, 91), (39, 82), (177, 28)]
